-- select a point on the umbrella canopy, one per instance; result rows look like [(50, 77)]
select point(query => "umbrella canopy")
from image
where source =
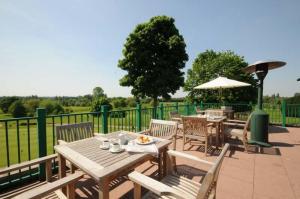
[(221, 82)]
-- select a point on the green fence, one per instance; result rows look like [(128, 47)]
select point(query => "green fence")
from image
[(27, 138)]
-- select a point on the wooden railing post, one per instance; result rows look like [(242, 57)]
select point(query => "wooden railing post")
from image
[(283, 112), (42, 142), (138, 117), (104, 110)]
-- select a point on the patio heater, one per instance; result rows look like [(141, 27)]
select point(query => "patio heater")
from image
[(260, 119)]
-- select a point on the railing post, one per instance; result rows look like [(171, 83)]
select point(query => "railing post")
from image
[(138, 117), (176, 107), (161, 109), (154, 112), (187, 111), (195, 107), (104, 110), (42, 142), (201, 106), (283, 112)]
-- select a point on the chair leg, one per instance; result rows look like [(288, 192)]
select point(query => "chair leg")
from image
[(183, 142), (206, 147)]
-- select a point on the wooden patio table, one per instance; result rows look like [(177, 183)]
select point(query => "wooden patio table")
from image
[(217, 121), (102, 165)]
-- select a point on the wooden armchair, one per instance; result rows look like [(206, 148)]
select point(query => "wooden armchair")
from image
[(175, 116), (52, 190), (175, 186), (164, 129), (196, 128), (74, 132), (233, 129), (46, 188)]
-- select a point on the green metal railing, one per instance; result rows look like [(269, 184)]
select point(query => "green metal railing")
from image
[(27, 138)]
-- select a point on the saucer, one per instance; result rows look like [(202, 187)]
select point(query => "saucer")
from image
[(116, 151)]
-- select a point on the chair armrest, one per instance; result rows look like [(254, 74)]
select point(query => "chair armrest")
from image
[(44, 190), (188, 156), (154, 186), (27, 164), (237, 121), (210, 124), (233, 124), (60, 142)]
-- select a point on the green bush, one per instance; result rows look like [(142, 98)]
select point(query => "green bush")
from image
[(17, 109), (97, 103)]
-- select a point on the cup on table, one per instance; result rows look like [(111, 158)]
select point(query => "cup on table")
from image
[(105, 144), (114, 146)]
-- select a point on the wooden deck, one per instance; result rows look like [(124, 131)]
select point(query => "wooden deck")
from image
[(266, 174)]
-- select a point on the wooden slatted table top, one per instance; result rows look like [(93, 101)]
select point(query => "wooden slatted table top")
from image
[(98, 163)]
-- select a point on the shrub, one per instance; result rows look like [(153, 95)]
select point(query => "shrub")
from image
[(17, 109)]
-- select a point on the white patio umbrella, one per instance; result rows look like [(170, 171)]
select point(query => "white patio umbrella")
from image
[(220, 83)]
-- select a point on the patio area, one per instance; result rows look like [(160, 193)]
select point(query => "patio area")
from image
[(264, 174)]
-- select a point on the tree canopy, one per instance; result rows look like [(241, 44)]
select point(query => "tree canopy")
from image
[(208, 66), (153, 56), (98, 92)]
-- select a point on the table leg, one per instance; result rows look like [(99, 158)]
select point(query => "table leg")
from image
[(217, 134), (104, 189), (62, 170), (159, 165), (164, 162)]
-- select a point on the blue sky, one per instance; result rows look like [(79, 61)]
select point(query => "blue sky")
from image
[(50, 48)]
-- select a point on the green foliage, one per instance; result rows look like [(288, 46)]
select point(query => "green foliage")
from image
[(31, 106), (52, 107), (17, 109), (5, 103), (153, 56), (208, 65), (97, 103), (131, 102), (85, 100), (293, 100), (119, 102), (98, 92)]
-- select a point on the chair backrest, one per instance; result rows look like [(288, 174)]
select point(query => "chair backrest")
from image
[(209, 183), (196, 126), (174, 114), (163, 128), (73, 132)]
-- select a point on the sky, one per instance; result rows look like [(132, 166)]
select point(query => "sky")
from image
[(66, 48)]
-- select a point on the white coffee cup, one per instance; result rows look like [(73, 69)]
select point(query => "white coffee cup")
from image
[(105, 144), (115, 146)]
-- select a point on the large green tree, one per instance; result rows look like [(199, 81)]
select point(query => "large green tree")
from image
[(153, 56), (209, 65), (98, 92)]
